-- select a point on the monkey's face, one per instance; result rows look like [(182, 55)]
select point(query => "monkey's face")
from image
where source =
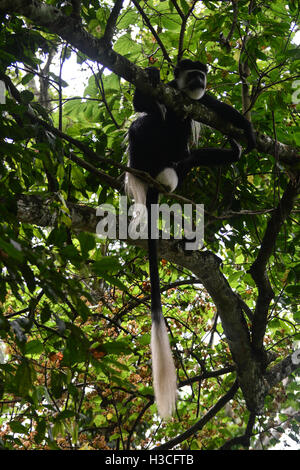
[(191, 78), (192, 83)]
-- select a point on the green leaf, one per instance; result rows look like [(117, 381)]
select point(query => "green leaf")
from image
[(185, 6), (45, 313), (294, 290), (144, 339), (170, 24), (56, 383), (26, 96), (15, 426), (12, 249), (27, 78), (87, 243), (34, 347), (129, 18), (23, 378), (28, 276), (117, 347), (107, 263), (114, 281), (294, 53), (40, 430)]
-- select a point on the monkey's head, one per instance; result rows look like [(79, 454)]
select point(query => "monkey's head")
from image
[(191, 78)]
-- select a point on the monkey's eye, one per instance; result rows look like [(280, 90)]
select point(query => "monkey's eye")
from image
[(196, 74)]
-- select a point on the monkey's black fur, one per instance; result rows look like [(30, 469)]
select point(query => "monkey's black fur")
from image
[(158, 140)]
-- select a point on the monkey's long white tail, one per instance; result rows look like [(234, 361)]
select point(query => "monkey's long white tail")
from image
[(163, 369)]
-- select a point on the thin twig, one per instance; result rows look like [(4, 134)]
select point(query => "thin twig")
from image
[(205, 419), (156, 36), (243, 440)]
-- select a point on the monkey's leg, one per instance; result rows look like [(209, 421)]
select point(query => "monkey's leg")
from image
[(208, 157)]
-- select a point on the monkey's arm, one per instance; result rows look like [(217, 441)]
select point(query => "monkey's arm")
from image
[(229, 114), (146, 104)]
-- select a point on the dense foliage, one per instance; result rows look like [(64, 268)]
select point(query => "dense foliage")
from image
[(75, 366)]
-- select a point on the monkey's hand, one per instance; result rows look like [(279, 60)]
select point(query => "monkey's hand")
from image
[(154, 75), (144, 103)]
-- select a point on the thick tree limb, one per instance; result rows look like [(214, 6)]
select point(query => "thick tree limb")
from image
[(282, 369)]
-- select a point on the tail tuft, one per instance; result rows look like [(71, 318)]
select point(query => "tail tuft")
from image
[(163, 369)]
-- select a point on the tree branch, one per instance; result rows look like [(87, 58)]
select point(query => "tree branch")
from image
[(206, 375), (205, 419), (258, 269), (112, 20), (243, 440), (155, 35), (76, 5), (281, 370)]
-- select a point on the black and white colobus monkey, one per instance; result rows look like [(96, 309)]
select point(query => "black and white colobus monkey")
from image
[(159, 144)]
